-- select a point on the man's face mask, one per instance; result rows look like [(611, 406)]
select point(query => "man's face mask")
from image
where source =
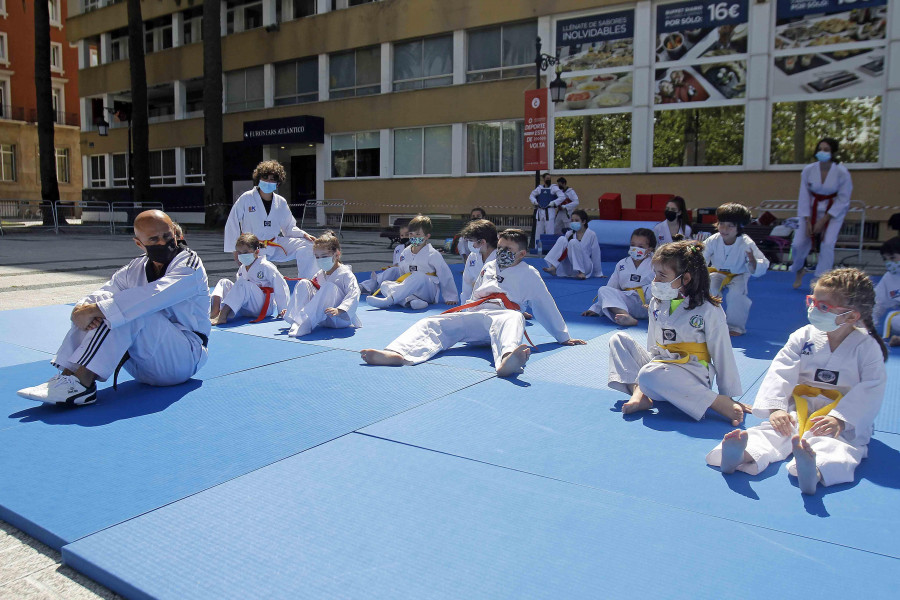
[(163, 253)]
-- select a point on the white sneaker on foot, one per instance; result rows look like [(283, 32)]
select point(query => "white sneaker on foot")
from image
[(417, 304), (62, 389)]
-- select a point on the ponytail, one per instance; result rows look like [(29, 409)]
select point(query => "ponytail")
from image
[(870, 327)]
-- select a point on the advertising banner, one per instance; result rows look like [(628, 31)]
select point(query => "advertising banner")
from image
[(535, 151), (596, 41), (816, 23), (702, 28)]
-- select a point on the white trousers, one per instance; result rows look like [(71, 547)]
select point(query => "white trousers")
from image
[(306, 308), (298, 249), (579, 258), (802, 244), (561, 222), (737, 305), (836, 459), (608, 297), (161, 353), (630, 363), (378, 277), (243, 297), (501, 328), (417, 285), (545, 222), (891, 324)]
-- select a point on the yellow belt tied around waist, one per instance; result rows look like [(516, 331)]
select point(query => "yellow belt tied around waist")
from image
[(401, 278), (640, 292), (801, 393), (887, 323), (728, 277), (686, 350)]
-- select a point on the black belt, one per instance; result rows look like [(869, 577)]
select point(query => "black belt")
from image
[(204, 341)]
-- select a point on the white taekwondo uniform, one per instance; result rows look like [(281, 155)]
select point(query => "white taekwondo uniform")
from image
[(163, 325), (664, 236), (278, 228), (688, 386), (387, 274), (565, 210), (490, 322), (569, 254), (619, 293), (472, 271), (837, 182), (733, 260), (887, 304), (855, 369), (546, 217), (430, 278), (245, 296), (306, 310)]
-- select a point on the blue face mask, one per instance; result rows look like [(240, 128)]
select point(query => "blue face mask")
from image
[(823, 156), (247, 259), (325, 263), (267, 187), (575, 226)]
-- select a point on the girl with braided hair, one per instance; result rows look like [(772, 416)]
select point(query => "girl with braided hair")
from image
[(688, 345), (822, 393)]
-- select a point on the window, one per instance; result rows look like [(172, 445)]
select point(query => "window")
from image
[(302, 8), (90, 5), (55, 15), (193, 95), (501, 52), (59, 106), (56, 57), (158, 35), (422, 151), (355, 73), (4, 49), (797, 126), (356, 154), (699, 137), (98, 171), (193, 165), (241, 15), (494, 147), (62, 165), (118, 49), (593, 142), (3, 8), (297, 81), (162, 167), (192, 30), (5, 109), (120, 170), (423, 63), (7, 162), (244, 89)]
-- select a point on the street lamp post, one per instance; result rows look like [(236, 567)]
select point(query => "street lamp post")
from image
[(542, 62)]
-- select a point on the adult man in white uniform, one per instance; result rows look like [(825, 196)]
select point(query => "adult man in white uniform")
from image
[(545, 199), (266, 215), (152, 318), (566, 207)]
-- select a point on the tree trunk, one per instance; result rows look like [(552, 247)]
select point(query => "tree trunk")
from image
[(584, 160), (139, 169), (214, 200), (800, 151), (45, 116)]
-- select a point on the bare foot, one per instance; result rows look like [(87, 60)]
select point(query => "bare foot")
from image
[(580, 275), (734, 450), (528, 316), (625, 320), (589, 313), (894, 341), (550, 269), (513, 361), (639, 401), (735, 333), (731, 410), (381, 357), (798, 278), (219, 320), (805, 459)]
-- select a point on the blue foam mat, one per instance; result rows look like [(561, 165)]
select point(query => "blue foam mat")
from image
[(11, 355), (40, 328), (67, 473), (576, 434), (365, 518)]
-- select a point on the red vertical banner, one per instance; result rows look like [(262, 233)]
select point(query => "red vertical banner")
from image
[(535, 139)]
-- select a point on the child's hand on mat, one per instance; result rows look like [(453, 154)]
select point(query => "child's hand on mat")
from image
[(781, 422), (332, 312), (826, 425), (281, 314), (573, 342)]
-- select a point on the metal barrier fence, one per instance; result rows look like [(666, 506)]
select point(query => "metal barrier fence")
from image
[(125, 212), (856, 207), (93, 214), (29, 214), (310, 207)]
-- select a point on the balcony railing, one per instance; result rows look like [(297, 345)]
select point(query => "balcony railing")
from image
[(15, 113), (59, 117)]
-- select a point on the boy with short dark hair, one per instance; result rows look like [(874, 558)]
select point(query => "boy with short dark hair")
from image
[(481, 237)]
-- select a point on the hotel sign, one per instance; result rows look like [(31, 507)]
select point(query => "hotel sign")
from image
[(288, 130)]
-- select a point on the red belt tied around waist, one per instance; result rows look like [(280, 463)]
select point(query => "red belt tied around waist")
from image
[(814, 205), (507, 303), (265, 309)]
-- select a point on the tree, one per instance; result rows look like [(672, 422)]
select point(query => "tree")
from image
[(45, 116), (854, 122), (139, 169), (715, 136), (593, 142), (213, 161)]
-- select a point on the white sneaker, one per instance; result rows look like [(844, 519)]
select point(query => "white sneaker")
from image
[(417, 304), (62, 389)]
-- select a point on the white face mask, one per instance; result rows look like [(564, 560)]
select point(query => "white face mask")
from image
[(325, 263), (823, 321), (892, 267), (247, 259), (663, 290), (638, 253)]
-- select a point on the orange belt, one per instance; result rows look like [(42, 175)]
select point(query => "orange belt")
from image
[(507, 303), (271, 242), (265, 309)]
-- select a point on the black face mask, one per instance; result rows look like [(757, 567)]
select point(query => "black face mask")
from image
[(163, 253), (547, 182), (671, 215)]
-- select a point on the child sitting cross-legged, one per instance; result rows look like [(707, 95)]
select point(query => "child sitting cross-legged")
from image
[(251, 292), (624, 297), (330, 298)]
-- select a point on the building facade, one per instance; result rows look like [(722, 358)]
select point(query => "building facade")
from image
[(20, 177), (421, 102)]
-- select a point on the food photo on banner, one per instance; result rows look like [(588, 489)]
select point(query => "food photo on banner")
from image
[(839, 49), (689, 34), (595, 43)]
